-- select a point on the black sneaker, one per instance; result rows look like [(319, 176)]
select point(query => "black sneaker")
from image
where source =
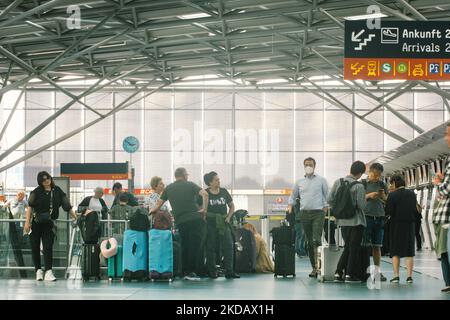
[(313, 274), (233, 275), (213, 275), (395, 280), (338, 278), (446, 290), (382, 278), (409, 280), (352, 279), (192, 276)]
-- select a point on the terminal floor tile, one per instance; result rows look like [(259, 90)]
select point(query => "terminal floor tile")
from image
[(255, 286)]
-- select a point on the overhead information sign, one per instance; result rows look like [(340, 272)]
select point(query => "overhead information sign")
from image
[(404, 50)]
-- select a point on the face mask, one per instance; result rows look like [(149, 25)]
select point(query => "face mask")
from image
[(309, 170)]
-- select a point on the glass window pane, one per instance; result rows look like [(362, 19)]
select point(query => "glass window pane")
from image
[(367, 137), (278, 170), (40, 162), (98, 137), (337, 165), (218, 100), (128, 123), (222, 163), (158, 100), (188, 100), (396, 125), (277, 100), (309, 130), (248, 171), (248, 129), (308, 101), (188, 130), (249, 101), (157, 126), (282, 134), (218, 134), (158, 164), (68, 121), (338, 131), (67, 157)]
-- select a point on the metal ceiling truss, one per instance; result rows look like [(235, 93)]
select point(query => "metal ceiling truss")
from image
[(242, 41)]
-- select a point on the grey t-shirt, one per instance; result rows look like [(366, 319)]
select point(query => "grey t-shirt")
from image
[(375, 207)]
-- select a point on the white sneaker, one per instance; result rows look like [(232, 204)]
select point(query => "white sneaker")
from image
[(49, 276), (39, 275)]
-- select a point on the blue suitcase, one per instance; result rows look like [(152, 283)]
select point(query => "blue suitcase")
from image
[(135, 255), (115, 264), (160, 254)]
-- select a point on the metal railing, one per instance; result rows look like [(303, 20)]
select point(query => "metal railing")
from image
[(72, 245)]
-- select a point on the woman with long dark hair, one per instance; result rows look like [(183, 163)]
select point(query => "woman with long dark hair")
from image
[(43, 210)]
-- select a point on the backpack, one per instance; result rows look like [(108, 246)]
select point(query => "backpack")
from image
[(89, 227), (344, 208), (139, 220), (162, 220)]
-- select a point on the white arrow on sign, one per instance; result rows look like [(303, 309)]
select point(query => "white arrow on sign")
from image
[(355, 37)]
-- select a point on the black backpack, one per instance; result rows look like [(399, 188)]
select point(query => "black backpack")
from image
[(344, 208), (139, 220), (89, 227)]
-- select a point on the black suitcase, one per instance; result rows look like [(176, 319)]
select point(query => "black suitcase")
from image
[(177, 258), (91, 262), (283, 235), (284, 260), (90, 227), (245, 251)]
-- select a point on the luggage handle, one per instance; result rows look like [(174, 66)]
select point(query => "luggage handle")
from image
[(329, 231)]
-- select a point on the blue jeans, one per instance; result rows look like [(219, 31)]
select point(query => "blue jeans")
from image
[(374, 231), (300, 245)]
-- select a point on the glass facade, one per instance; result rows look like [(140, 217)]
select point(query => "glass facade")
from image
[(255, 140)]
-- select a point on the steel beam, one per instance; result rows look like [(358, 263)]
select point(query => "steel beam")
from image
[(38, 9), (121, 106), (391, 11), (11, 114), (61, 110), (447, 105), (342, 106), (12, 6), (413, 10)]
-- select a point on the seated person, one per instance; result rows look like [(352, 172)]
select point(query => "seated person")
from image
[(264, 263)]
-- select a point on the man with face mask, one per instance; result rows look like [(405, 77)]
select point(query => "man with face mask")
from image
[(312, 190)]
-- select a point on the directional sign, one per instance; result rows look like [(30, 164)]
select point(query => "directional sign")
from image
[(410, 50)]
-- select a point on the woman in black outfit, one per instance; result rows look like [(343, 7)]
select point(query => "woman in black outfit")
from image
[(402, 210), (43, 210), (220, 212)]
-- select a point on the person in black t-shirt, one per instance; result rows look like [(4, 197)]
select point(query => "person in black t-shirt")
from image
[(219, 213), (45, 201)]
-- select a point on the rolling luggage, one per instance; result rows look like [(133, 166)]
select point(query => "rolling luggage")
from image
[(284, 260), (90, 262), (245, 251), (89, 227), (160, 255), (283, 243), (283, 235), (115, 264), (135, 255), (328, 257)]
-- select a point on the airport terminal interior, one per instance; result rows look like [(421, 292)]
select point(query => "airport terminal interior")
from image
[(95, 92)]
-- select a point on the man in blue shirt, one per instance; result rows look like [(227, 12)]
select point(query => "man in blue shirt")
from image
[(312, 190)]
